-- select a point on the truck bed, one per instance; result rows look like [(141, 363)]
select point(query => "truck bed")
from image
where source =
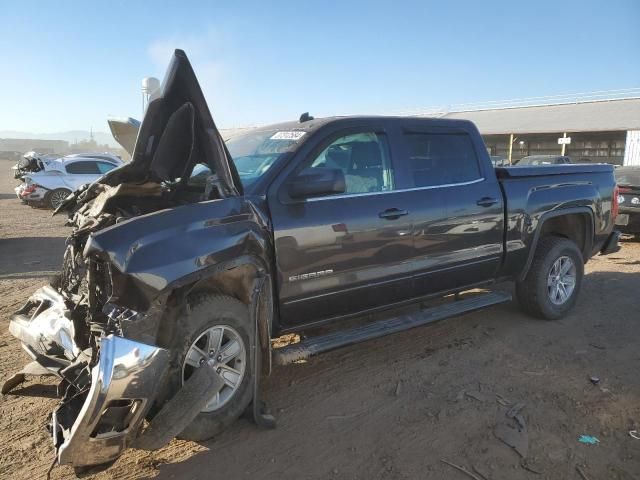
[(563, 169)]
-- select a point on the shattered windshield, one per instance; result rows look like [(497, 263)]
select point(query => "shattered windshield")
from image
[(254, 152)]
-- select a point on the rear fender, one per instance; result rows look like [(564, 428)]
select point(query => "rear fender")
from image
[(588, 233)]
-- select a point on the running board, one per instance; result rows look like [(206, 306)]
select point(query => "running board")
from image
[(324, 343)]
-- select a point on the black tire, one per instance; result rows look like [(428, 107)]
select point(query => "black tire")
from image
[(208, 310), (51, 199), (532, 293)]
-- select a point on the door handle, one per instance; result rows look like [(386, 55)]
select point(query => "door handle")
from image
[(487, 201), (393, 213)]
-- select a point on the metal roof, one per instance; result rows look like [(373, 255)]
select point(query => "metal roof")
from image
[(601, 115)]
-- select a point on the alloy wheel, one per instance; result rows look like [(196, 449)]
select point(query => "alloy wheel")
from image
[(561, 280), (224, 349)]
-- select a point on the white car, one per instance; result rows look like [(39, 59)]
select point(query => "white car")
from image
[(51, 185)]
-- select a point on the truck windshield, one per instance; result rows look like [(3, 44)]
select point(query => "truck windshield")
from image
[(253, 153)]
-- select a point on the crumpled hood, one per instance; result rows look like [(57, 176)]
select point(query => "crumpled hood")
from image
[(176, 133), (157, 249)]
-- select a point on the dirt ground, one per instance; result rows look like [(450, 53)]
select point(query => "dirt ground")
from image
[(391, 408)]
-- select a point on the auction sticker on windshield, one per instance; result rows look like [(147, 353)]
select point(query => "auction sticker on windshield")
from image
[(294, 135)]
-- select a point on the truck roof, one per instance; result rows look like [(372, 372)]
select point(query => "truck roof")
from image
[(316, 123)]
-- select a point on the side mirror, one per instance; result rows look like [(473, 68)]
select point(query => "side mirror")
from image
[(313, 182)]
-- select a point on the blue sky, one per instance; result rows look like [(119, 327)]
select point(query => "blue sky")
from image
[(70, 64)]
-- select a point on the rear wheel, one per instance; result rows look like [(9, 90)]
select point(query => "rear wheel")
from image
[(551, 287), (54, 198), (216, 328)]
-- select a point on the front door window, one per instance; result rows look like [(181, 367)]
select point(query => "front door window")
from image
[(364, 160)]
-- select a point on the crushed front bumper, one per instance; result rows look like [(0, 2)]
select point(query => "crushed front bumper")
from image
[(123, 385), (96, 423)]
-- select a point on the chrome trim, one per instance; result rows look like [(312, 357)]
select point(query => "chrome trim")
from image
[(414, 189), (126, 370)]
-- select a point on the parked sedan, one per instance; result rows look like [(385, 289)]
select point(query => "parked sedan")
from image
[(58, 178), (628, 179)]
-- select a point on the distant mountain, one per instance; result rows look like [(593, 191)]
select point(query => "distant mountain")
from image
[(71, 136)]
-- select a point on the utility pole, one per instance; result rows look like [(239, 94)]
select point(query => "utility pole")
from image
[(511, 140), (564, 145)]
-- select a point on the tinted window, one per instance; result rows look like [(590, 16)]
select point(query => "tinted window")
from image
[(104, 167), (83, 168), (441, 158), (364, 160)]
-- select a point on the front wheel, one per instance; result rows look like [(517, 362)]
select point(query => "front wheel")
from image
[(217, 328), (550, 289)]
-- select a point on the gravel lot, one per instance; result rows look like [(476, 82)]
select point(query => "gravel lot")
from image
[(391, 408)]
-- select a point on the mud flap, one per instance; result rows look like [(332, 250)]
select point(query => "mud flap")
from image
[(181, 410), (261, 293)]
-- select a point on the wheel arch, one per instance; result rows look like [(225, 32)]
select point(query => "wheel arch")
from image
[(575, 224), (245, 278)]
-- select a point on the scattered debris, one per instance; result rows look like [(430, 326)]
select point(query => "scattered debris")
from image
[(514, 436), (480, 474), (33, 369), (515, 410), (529, 468), (634, 434), (581, 473), (343, 417), (502, 401), (481, 397), (599, 347), (588, 439), (397, 393), (511, 428), (524, 464), (594, 380), (462, 469)]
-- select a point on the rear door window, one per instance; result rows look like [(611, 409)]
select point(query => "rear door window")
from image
[(83, 168), (441, 158)]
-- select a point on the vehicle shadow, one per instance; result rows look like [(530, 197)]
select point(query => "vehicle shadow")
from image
[(30, 257), (35, 390)]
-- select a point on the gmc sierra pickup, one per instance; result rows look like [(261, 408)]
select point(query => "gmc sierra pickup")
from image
[(184, 263)]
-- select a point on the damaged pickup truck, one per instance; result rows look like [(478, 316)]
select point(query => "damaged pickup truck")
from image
[(184, 263)]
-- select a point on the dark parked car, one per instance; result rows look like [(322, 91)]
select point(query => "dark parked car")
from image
[(185, 262), (544, 160), (628, 179)]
